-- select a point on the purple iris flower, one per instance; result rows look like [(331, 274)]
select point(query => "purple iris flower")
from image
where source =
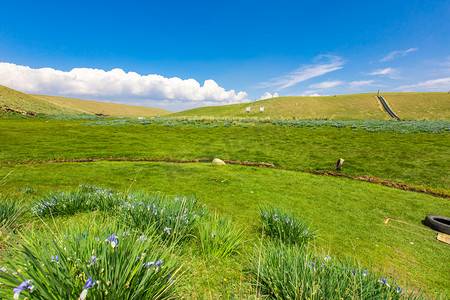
[(93, 259), (383, 281), (88, 284), (158, 263), (24, 285), (113, 240), (55, 259)]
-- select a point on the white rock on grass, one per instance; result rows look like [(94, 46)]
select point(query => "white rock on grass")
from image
[(218, 161)]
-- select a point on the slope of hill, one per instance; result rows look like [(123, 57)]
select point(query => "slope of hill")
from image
[(104, 108), (14, 99), (430, 106), (345, 107)]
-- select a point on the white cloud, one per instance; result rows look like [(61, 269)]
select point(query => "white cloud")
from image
[(115, 84), (438, 85), (358, 84), (326, 84), (268, 95), (386, 71), (310, 93), (305, 72), (389, 72), (399, 53)]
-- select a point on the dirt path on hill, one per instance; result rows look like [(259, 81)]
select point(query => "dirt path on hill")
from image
[(366, 178)]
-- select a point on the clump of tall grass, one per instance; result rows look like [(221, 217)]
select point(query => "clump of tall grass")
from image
[(172, 218), (219, 237), (107, 261), (282, 225), (12, 213), (85, 198), (291, 272)]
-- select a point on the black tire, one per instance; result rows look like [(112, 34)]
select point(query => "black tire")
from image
[(438, 223)]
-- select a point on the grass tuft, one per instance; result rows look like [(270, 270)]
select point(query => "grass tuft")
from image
[(174, 219), (290, 272), (286, 227), (12, 213), (97, 262), (219, 237)]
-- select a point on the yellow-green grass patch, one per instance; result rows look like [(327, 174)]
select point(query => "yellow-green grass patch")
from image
[(17, 100), (340, 107), (105, 108)]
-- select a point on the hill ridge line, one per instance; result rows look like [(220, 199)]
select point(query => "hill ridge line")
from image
[(364, 178)]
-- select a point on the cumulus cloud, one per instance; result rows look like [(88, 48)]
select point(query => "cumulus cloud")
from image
[(115, 84), (325, 64), (398, 53), (326, 84), (268, 95), (434, 85)]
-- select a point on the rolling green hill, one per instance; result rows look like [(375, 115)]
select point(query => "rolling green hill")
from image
[(430, 106), (341, 107), (52, 105), (14, 99), (105, 108)]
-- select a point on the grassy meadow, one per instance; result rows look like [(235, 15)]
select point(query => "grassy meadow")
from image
[(417, 159), (428, 106), (204, 231), (346, 214), (14, 99), (52, 105), (105, 108)]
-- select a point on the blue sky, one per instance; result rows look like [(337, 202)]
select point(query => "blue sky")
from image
[(178, 54)]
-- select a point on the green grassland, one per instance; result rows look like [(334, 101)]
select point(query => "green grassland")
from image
[(415, 106), (347, 214), (418, 159), (51, 105), (14, 99), (431, 106), (408, 106), (109, 109)]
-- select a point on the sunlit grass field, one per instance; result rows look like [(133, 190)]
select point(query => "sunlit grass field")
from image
[(418, 159), (347, 215), (15, 99), (105, 108), (430, 106)]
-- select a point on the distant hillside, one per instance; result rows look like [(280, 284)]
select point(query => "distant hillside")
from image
[(432, 106), (14, 99), (52, 105), (105, 108), (345, 107)]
